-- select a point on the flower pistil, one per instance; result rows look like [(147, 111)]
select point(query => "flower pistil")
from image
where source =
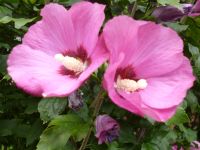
[(71, 63), (130, 85)]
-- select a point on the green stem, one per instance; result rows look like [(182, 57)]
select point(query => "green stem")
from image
[(183, 19), (134, 9), (47, 1), (99, 100)]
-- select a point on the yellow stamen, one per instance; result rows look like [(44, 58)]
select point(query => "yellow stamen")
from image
[(142, 83), (71, 63), (126, 84), (129, 85)]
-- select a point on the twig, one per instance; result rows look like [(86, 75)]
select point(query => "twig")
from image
[(141, 134), (99, 100), (134, 9), (183, 19)]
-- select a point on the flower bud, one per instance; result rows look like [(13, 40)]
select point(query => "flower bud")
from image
[(107, 129), (75, 101)]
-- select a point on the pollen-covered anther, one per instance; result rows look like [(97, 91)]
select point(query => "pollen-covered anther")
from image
[(71, 63), (142, 83), (129, 85), (126, 84)]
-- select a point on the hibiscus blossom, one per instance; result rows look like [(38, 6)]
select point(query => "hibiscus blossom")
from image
[(171, 13), (59, 52), (147, 73)]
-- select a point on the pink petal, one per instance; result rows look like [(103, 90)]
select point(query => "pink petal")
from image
[(170, 89), (134, 102), (193, 14), (54, 33), (87, 19), (97, 58), (160, 115), (159, 51), (120, 36), (149, 57), (36, 72), (59, 31), (108, 83), (196, 7)]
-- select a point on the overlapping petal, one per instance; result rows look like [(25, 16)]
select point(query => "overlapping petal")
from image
[(169, 89), (32, 64), (87, 19), (97, 58), (155, 55), (108, 83), (136, 39), (159, 51), (120, 36), (38, 73), (54, 33)]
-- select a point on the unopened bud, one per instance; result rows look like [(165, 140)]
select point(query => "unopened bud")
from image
[(75, 101)]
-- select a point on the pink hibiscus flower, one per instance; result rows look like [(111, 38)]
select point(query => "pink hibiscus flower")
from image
[(59, 52), (147, 74)]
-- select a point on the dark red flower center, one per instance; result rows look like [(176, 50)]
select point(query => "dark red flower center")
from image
[(126, 80), (73, 62)]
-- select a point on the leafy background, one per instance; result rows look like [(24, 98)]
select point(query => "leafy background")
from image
[(29, 123)]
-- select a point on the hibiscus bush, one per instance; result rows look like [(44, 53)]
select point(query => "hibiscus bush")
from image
[(100, 74)]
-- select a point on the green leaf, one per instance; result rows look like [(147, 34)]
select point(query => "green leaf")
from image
[(3, 65), (34, 132), (70, 146), (31, 108), (189, 134), (6, 19), (150, 120), (21, 130), (126, 134), (113, 146), (162, 137), (22, 22), (77, 126), (179, 118), (194, 51), (5, 46), (53, 138), (68, 2), (149, 146), (30, 1), (131, 1), (192, 101), (17, 128), (4, 11), (193, 32), (83, 112), (56, 135), (7, 127), (49, 108), (176, 26), (170, 2), (19, 22)]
